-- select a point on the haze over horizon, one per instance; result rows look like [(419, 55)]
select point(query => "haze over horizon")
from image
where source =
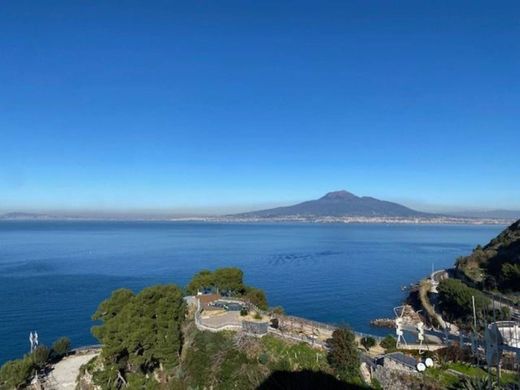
[(216, 108), (224, 210)]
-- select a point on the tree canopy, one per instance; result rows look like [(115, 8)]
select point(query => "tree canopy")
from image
[(228, 281), (224, 279), (343, 354), (40, 356), (455, 299), (257, 297), (61, 346), (16, 373), (368, 342), (388, 343), (139, 332)]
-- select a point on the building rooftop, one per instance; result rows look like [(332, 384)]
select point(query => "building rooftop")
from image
[(401, 358), (206, 299)]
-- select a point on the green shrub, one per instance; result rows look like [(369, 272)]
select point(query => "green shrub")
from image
[(388, 343), (368, 342), (505, 313), (40, 356), (61, 347), (16, 373), (263, 358), (278, 310), (256, 297), (510, 277), (343, 355), (476, 383), (243, 312)]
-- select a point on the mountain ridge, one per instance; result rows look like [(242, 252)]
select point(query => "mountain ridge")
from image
[(340, 204)]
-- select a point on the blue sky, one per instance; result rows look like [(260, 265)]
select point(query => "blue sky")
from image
[(216, 106)]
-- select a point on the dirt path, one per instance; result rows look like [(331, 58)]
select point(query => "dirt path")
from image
[(66, 371)]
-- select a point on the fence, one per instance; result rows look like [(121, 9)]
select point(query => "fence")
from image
[(294, 337), (321, 325), (87, 348), (361, 335)]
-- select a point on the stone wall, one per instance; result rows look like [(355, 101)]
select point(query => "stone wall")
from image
[(399, 379)]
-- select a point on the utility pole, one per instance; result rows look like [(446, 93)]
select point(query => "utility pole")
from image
[(474, 314), (499, 362), (474, 338)]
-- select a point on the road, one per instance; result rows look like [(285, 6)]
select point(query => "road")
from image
[(499, 301)]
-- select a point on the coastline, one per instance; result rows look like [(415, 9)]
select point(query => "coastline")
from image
[(302, 250), (285, 220)]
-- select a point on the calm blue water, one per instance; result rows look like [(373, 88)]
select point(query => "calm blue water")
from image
[(54, 274)]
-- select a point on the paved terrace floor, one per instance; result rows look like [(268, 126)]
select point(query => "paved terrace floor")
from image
[(221, 318)]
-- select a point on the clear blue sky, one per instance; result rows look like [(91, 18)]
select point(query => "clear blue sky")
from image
[(220, 105)]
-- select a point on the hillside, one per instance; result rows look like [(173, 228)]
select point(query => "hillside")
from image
[(496, 265), (338, 204)]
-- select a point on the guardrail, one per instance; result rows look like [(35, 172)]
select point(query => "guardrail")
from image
[(86, 348), (311, 323), (329, 327), (361, 335)]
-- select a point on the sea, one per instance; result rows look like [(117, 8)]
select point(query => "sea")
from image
[(54, 274)]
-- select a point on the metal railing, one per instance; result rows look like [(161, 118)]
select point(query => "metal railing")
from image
[(287, 318)]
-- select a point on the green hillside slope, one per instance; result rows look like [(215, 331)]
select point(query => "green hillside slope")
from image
[(496, 265)]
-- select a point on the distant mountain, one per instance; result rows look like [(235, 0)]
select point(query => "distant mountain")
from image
[(339, 204), (498, 214)]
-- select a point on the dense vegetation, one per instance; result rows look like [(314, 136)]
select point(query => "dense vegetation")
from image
[(456, 302), (389, 343), (343, 355), (220, 360), (61, 347), (140, 333), (227, 281), (226, 360), (150, 341), (16, 374), (496, 265), (368, 342)]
